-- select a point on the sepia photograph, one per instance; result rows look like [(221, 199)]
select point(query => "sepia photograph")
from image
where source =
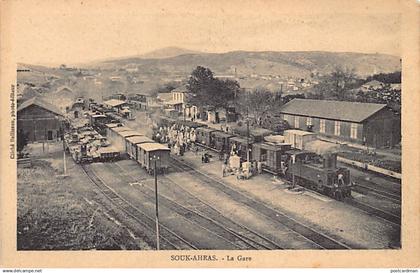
[(203, 126)]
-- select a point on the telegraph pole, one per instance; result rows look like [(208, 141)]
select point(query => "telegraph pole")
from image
[(65, 164), (156, 204), (247, 128)]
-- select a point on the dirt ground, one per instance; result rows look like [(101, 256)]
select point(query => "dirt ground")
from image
[(65, 213)]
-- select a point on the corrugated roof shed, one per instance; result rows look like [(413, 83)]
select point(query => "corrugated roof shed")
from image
[(41, 103), (328, 109)]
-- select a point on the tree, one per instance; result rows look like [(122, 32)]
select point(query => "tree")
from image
[(165, 88), (337, 84), (258, 104), (394, 77), (208, 91)]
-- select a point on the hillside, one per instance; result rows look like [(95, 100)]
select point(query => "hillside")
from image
[(285, 64), (167, 52), (270, 70)]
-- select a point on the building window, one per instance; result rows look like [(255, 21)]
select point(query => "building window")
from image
[(309, 121), (337, 125), (322, 125), (353, 130), (296, 122)]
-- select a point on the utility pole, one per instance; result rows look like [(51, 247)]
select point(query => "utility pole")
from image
[(65, 164), (247, 128), (156, 204)]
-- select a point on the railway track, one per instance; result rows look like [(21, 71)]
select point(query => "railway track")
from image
[(371, 210), (382, 194), (206, 216), (169, 239), (389, 192), (322, 240)]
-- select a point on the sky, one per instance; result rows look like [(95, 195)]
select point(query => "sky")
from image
[(55, 32)]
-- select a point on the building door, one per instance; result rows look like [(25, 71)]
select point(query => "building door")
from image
[(50, 135)]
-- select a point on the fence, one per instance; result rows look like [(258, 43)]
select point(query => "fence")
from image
[(24, 162)]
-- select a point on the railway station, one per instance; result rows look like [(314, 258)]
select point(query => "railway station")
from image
[(229, 188), (221, 168)]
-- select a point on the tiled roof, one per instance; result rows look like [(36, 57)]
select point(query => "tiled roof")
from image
[(328, 109), (41, 103)]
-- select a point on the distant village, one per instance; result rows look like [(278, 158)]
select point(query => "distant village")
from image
[(120, 90)]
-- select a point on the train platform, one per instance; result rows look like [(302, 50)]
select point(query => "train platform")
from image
[(315, 210)]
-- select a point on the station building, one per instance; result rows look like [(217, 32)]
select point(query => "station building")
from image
[(371, 124), (39, 120)]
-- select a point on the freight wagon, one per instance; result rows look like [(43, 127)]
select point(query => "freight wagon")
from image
[(131, 145), (153, 154), (298, 139), (120, 142)]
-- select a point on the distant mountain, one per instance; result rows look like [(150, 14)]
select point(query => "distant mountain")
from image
[(284, 64), (167, 52)]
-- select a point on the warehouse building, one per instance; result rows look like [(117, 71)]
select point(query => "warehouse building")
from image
[(370, 124), (39, 120)]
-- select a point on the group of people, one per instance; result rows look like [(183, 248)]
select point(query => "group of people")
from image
[(179, 138)]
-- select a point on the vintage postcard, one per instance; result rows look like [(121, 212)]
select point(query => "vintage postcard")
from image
[(209, 134)]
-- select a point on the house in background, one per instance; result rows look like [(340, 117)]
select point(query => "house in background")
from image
[(395, 87), (63, 97), (181, 95), (375, 125), (372, 86), (39, 120)]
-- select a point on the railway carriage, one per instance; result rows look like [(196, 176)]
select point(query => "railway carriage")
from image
[(271, 155), (241, 146), (149, 152), (131, 145), (220, 140), (203, 135)]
